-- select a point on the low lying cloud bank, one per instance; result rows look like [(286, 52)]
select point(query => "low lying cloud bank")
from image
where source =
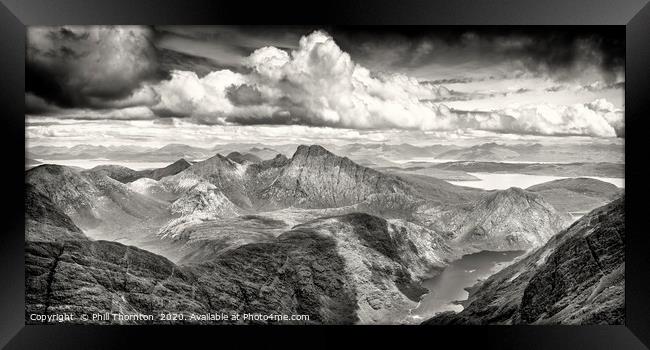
[(318, 84)]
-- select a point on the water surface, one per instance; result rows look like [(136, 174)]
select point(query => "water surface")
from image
[(446, 289)]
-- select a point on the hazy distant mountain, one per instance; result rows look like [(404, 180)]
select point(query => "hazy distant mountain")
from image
[(174, 151), (126, 175), (560, 153), (577, 195), (263, 153), (427, 170), (359, 151), (85, 152), (373, 155), (487, 151), (616, 170), (578, 277)]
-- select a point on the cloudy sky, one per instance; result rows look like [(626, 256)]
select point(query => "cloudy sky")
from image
[(207, 85)]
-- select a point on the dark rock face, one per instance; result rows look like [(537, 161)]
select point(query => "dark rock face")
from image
[(45, 222), (301, 273), (316, 178), (578, 277)]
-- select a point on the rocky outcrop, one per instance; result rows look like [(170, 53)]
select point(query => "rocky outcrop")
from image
[(226, 175), (202, 202), (578, 277)]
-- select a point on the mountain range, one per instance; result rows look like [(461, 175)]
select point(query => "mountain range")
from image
[(313, 234), (366, 154)]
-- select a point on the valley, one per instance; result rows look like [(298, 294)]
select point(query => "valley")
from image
[(312, 233)]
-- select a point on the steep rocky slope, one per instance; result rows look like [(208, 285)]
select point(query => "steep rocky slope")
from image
[(92, 200), (316, 178), (578, 277), (512, 219), (45, 222)]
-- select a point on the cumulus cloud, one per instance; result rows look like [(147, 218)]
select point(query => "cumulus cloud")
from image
[(319, 84), (95, 66), (598, 118)]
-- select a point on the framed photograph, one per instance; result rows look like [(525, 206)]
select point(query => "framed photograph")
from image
[(466, 173)]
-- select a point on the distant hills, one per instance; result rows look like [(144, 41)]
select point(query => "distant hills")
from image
[(367, 154), (552, 169), (577, 195)]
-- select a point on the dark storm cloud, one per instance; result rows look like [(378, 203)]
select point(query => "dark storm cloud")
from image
[(557, 51), (561, 52), (89, 67)]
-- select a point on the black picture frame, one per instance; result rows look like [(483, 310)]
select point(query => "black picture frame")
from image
[(632, 15)]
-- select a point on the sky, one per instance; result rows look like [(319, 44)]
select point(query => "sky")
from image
[(205, 85)]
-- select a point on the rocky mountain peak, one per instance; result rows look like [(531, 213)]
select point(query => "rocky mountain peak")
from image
[(181, 163), (304, 151)]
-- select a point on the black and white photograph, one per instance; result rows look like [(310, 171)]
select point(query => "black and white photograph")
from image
[(338, 175)]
